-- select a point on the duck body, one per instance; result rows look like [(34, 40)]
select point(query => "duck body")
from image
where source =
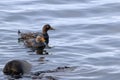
[(31, 43), (16, 68), (31, 35), (36, 44)]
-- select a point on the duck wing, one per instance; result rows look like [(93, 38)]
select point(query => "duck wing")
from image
[(33, 44), (28, 35), (28, 43)]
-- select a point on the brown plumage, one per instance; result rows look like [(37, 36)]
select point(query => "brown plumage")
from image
[(36, 44), (30, 35)]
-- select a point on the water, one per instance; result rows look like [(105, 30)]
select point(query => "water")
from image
[(86, 36)]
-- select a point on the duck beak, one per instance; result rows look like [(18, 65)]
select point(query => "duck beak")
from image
[(51, 28)]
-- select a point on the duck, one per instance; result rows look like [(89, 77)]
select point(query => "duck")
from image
[(30, 35), (37, 43), (17, 68)]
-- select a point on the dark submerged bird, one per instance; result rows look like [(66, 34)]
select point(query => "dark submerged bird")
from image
[(16, 68), (37, 43), (45, 29)]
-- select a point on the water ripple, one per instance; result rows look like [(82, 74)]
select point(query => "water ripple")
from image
[(87, 36)]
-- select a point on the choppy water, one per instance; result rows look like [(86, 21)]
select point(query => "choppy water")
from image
[(87, 36)]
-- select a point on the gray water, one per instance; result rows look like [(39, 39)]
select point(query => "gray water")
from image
[(87, 36)]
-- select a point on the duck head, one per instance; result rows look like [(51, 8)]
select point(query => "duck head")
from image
[(47, 27)]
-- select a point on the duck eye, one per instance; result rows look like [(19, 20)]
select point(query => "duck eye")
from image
[(48, 27)]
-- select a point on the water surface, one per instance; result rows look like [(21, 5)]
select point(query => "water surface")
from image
[(86, 36)]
